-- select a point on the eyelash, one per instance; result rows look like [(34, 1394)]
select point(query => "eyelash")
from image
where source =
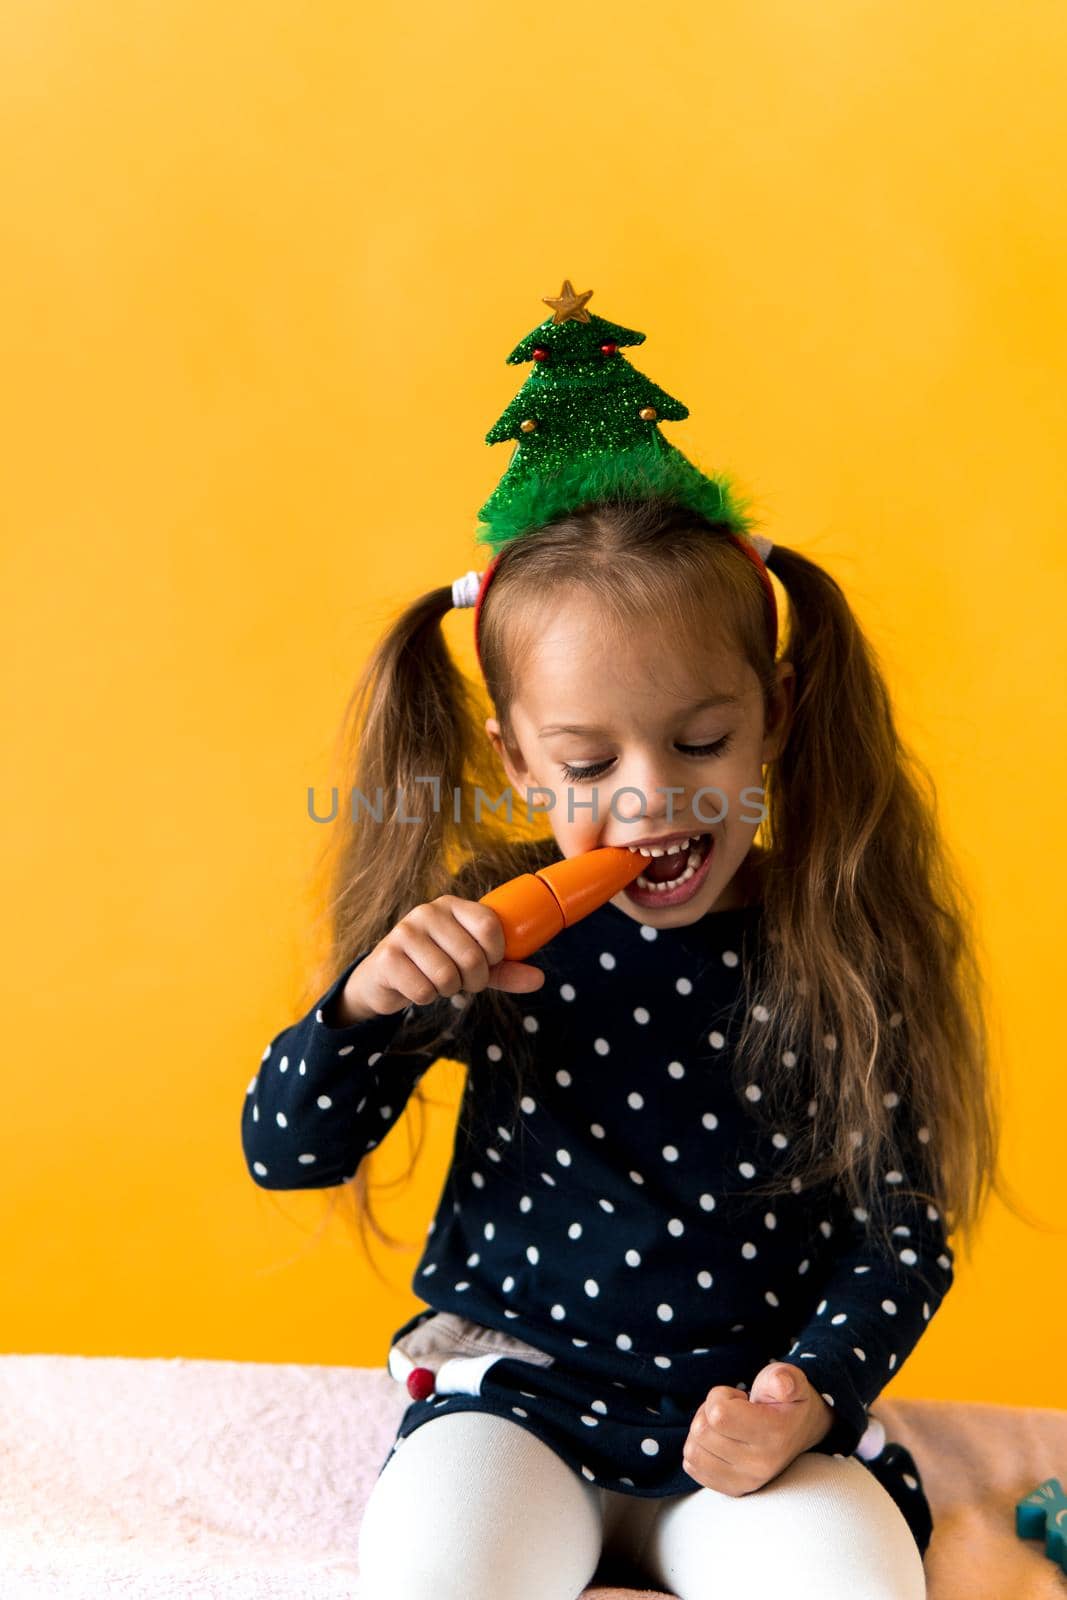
[(696, 751)]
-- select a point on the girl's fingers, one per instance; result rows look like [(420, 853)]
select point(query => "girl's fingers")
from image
[(403, 975), (446, 946), (518, 977), (482, 923), (706, 1431), (469, 933), (434, 963), (714, 1472), (473, 936)]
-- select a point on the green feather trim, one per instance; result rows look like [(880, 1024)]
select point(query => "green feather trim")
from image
[(651, 468)]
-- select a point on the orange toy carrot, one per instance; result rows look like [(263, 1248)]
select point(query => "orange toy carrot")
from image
[(535, 906)]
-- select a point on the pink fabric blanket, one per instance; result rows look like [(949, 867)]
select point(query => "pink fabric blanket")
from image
[(231, 1480)]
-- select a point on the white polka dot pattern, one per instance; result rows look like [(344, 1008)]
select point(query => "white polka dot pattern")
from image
[(611, 1214)]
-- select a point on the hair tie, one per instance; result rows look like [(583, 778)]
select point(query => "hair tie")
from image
[(465, 589)]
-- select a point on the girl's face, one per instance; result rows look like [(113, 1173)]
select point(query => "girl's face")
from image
[(625, 742)]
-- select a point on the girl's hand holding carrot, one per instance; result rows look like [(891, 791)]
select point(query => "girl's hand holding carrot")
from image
[(435, 950)]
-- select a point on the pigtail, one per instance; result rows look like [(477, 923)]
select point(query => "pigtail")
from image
[(409, 757), (878, 976), (408, 719)]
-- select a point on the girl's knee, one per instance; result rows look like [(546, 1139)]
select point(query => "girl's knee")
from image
[(474, 1507), (857, 1538), (821, 1529)]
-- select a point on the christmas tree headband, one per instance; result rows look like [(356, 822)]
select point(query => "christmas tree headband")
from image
[(585, 426)]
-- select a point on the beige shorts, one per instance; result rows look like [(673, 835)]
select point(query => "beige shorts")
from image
[(458, 1351)]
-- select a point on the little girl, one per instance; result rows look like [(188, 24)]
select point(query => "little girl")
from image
[(714, 1135)]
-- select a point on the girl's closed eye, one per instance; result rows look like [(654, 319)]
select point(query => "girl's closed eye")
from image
[(696, 751)]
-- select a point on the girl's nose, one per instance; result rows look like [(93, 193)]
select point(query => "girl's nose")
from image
[(649, 790)]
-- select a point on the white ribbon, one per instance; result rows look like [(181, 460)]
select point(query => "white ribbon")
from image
[(465, 589)]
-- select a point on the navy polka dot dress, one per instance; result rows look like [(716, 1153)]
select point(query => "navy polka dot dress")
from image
[(608, 1227)]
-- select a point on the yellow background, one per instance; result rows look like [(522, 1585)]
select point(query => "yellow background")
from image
[(261, 269)]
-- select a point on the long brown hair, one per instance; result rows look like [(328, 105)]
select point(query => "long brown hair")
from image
[(873, 1047)]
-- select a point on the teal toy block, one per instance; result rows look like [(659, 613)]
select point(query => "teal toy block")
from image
[(1043, 1515)]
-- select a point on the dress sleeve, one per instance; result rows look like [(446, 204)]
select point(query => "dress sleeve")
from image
[(876, 1303), (325, 1094)]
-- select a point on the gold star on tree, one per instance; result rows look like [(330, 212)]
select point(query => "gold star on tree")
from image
[(568, 305)]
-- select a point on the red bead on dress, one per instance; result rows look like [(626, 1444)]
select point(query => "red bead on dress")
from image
[(420, 1382)]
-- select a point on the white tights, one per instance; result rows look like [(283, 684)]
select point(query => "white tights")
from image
[(472, 1506)]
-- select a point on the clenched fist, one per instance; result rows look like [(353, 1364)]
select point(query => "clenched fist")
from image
[(738, 1442)]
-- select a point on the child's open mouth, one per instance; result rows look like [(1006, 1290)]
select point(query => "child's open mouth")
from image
[(672, 879)]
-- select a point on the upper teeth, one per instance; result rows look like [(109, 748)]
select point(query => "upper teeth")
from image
[(660, 850)]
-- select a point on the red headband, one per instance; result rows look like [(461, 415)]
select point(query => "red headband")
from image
[(742, 543)]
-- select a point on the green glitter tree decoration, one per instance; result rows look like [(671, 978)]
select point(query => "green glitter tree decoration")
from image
[(586, 428)]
